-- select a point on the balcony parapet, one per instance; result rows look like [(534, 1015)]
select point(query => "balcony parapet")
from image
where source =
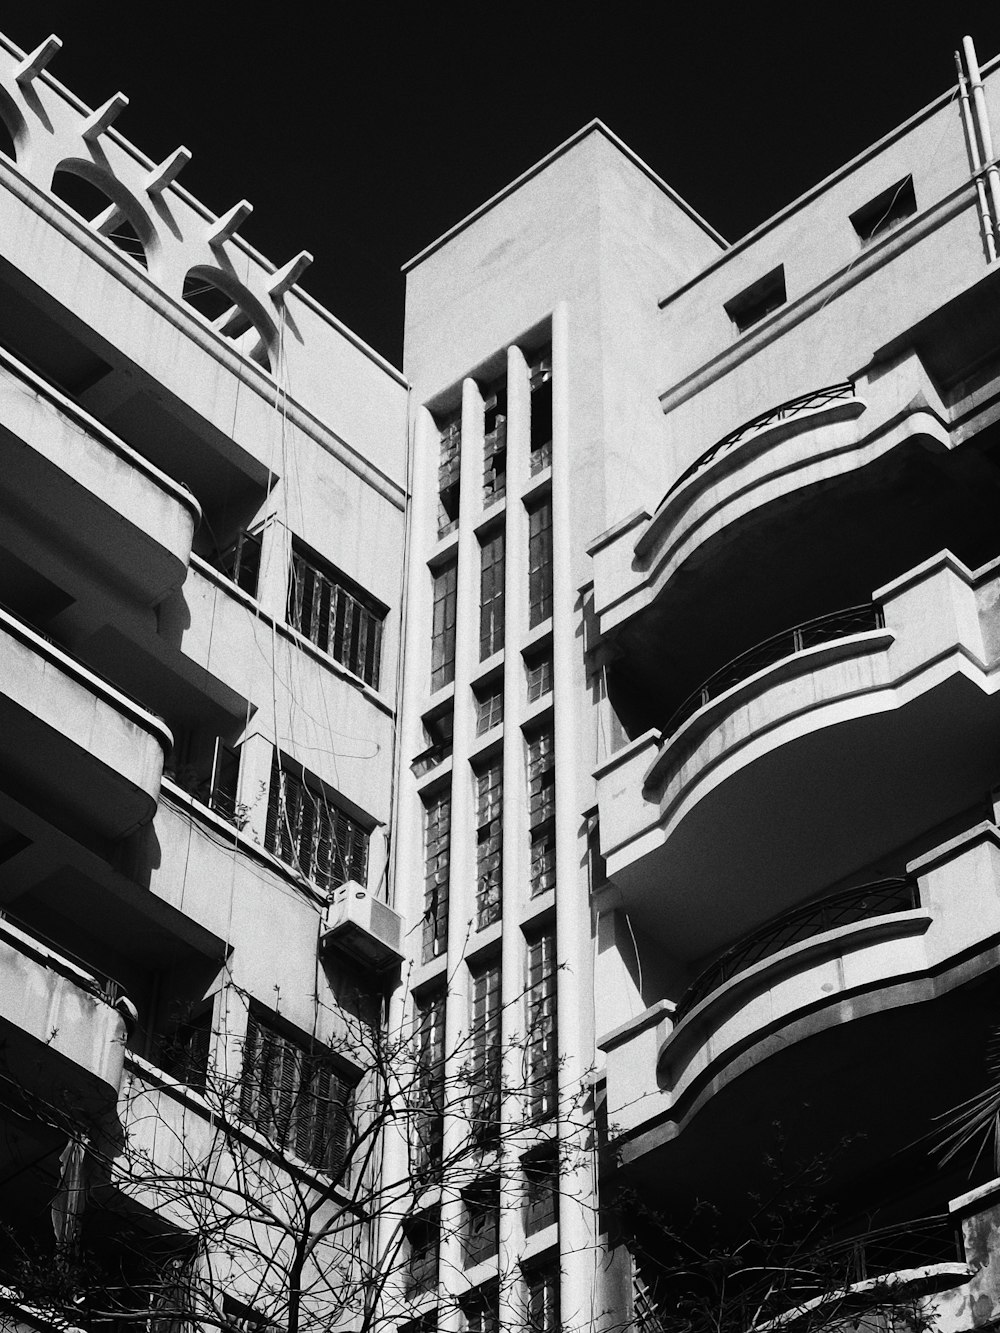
[(72, 744)]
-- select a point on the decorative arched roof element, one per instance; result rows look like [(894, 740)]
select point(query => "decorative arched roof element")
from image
[(232, 311)]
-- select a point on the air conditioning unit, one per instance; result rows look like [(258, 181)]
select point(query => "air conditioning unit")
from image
[(362, 928)]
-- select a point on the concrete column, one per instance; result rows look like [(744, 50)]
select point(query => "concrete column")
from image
[(256, 751), (577, 1230), (275, 567)]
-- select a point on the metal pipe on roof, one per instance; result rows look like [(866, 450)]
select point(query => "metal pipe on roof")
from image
[(982, 126), (971, 139)]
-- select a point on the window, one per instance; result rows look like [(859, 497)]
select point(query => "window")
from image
[(489, 706), (241, 562), (538, 666), (439, 732), (481, 1309), (429, 1120), (539, 563), (541, 1188), (491, 596), (485, 1038), (482, 1220), (336, 616), (542, 1066), (294, 1095), (540, 372), (542, 809), (489, 839), (758, 300), (185, 1055), (886, 210), (449, 475), (437, 859), (443, 640), (208, 769), (495, 447), (305, 829), (422, 1238), (542, 1299)]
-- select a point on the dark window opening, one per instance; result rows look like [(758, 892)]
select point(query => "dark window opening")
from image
[(542, 810), (489, 706), (540, 372), (491, 596), (336, 615), (443, 631), (489, 844), (449, 476), (422, 1238), (541, 1187), (542, 1299), (485, 1065), (295, 1096), (437, 867), (185, 1054), (886, 210), (428, 1122), (541, 1058), (439, 730), (309, 831), (539, 563), (241, 562), (481, 1309), (482, 1220), (538, 667), (207, 768), (495, 447), (758, 300)]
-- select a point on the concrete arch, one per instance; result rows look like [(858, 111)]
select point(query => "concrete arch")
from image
[(13, 129), (123, 220), (232, 310)]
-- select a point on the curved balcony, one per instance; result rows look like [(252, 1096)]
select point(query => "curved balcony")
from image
[(118, 518), (801, 769), (62, 1031), (72, 746)]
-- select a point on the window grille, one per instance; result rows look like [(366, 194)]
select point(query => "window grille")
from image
[(437, 861), (449, 476), (305, 829), (541, 1030), (538, 666), (495, 447), (542, 1303), (428, 1125), (489, 707), (491, 596), (241, 562), (540, 372), (542, 809), (336, 616), (482, 1220), (443, 633), (541, 1188), (295, 1097), (485, 1037), (489, 837), (539, 563)]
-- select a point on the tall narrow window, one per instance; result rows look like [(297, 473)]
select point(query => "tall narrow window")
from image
[(541, 1187), (540, 1038), (538, 666), (489, 843), (449, 474), (241, 561), (542, 1303), (485, 1039), (423, 1234), (540, 563), (542, 809), (336, 616), (540, 372), (495, 446), (482, 1220), (428, 1126), (481, 1309), (443, 641), (491, 596), (489, 705), (437, 858), (293, 1094), (307, 830)]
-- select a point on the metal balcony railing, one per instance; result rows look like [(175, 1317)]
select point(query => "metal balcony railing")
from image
[(99, 983), (835, 625), (878, 898), (794, 407)]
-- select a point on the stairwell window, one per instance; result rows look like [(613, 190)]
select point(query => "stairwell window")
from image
[(885, 211), (489, 843), (449, 475), (437, 865), (428, 1120), (485, 1063), (758, 300), (539, 563), (542, 809), (336, 615), (308, 830), (491, 596), (541, 1060), (443, 630), (294, 1094), (540, 372), (495, 446)]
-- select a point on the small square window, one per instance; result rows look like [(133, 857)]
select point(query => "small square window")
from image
[(758, 300), (886, 210)]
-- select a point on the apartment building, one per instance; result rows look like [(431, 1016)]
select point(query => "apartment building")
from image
[(608, 698)]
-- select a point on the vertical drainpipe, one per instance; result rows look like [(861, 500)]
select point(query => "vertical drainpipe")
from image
[(983, 126), (972, 143), (577, 1233)]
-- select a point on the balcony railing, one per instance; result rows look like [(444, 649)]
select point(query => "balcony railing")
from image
[(878, 898), (836, 625), (795, 407), (99, 983)]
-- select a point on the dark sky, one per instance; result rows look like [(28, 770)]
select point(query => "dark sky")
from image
[(361, 132)]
